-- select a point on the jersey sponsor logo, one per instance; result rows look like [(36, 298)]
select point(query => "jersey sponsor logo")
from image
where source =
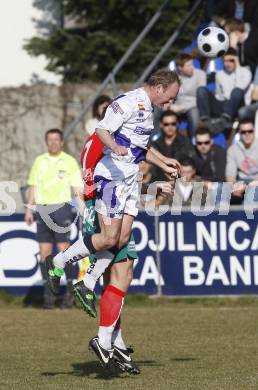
[(142, 131), (116, 108)]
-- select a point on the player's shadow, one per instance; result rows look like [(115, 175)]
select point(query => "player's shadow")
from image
[(95, 371), (88, 369)]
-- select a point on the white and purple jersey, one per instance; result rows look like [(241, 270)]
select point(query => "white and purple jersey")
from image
[(129, 118)]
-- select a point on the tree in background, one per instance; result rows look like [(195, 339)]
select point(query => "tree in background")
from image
[(83, 39)]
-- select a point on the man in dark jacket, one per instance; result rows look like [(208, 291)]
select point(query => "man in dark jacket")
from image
[(245, 10), (210, 159), (171, 143), (245, 42)]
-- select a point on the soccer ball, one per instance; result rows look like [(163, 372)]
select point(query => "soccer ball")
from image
[(212, 42)]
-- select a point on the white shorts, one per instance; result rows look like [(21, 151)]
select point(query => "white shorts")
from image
[(116, 198)]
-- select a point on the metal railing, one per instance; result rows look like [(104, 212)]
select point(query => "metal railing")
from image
[(111, 76), (168, 44)]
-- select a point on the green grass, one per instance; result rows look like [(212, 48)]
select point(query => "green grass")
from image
[(181, 344)]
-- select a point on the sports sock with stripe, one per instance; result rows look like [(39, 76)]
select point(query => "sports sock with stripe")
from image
[(111, 304), (80, 249)]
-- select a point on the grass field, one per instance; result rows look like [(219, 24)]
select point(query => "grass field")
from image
[(178, 345)]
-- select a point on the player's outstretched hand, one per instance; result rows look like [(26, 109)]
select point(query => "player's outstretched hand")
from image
[(171, 173), (120, 150)]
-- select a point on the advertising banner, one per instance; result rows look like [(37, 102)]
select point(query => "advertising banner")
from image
[(199, 255)]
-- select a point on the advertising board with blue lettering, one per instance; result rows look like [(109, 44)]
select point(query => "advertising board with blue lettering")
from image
[(200, 255)]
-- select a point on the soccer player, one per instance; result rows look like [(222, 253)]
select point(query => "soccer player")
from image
[(91, 154), (125, 131)]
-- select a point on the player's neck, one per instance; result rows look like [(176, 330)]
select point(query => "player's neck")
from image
[(151, 93)]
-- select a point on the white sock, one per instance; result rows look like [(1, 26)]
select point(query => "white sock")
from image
[(104, 335), (74, 253), (117, 339), (105, 332), (97, 268)]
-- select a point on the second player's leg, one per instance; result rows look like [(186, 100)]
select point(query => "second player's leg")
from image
[(45, 249)]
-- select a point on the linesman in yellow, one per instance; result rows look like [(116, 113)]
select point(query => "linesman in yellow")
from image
[(54, 177)]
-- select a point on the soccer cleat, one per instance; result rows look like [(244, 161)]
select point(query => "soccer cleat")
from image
[(86, 297), (53, 275), (105, 356), (124, 361)]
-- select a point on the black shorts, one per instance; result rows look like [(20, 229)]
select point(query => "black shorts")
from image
[(54, 226)]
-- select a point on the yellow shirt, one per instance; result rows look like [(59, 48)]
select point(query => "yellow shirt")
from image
[(53, 177)]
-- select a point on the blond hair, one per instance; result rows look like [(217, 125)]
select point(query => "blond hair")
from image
[(164, 77)]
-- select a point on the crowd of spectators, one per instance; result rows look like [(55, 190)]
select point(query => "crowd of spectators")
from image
[(211, 128), (190, 129)]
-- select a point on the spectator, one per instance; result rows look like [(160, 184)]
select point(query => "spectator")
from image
[(191, 79), (210, 159), (242, 161), (51, 179), (186, 192), (99, 106), (231, 85), (146, 175), (245, 10), (244, 42), (170, 143), (248, 113)]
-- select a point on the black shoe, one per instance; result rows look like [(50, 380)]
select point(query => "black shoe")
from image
[(124, 361), (53, 275), (227, 123), (86, 297), (105, 356)]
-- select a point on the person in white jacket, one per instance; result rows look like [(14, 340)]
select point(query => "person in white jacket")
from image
[(231, 85)]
